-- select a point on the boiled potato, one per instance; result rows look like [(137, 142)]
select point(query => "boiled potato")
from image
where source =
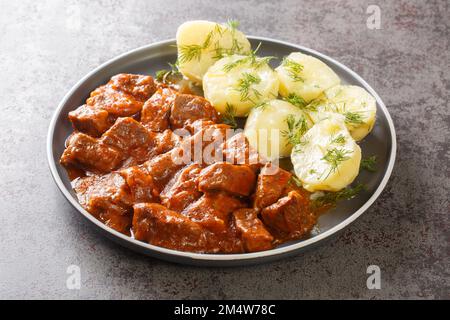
[(353, 102), (201, 43), (239, 81), (327, 158), (274, 127), (305, 76)]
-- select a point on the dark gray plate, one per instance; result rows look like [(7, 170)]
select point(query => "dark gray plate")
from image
[(149, 59)]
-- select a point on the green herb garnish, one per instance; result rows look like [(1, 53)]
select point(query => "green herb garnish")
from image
[(296, 100), (353, 117), (295, 181), (335, 157), (229, 116), (340, 139), (164, 75), (369, 164), (296, 129), (251, 59), (244, 86), (331, 198), (294, 69)]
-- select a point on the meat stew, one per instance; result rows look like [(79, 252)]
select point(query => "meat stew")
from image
[(160, 166)]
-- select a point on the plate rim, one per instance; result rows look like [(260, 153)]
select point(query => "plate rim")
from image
[(208, 257)]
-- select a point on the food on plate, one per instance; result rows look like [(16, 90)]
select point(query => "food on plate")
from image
[(275, 126), (143, 179), (236, 83), (158, 160), (305, 76), (326, 157), (122, 96), (353, 102), (201, 43)]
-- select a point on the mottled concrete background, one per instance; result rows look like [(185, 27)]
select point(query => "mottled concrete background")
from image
[(46, 46)]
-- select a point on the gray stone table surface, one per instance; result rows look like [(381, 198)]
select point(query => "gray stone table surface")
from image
[(47, 46)]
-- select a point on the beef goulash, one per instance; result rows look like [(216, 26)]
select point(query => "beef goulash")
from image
[(123, 160)]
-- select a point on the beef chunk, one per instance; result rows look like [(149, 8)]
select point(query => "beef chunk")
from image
[(116, 103), (90, 120), (182, 189), (238, 180), (126, 134), (237, 150), (132, 139), (188, 108), (290, 216), (139, 86), (162, 168), (155, 224), (166, 141), (107, 199), (156, 111), (126, 143), (87, 153), (198, 125), (123, 96), (213, 210), (271, 185), (254, 235), (201, 147), (140, 184)]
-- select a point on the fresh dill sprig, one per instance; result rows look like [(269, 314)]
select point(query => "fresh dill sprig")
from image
[(194, 51), (353, 117), (295, 181), (229, 116), (369, 164), (331, 198), (261, 105), (218, 29), (294, 69), (164, 75), (233, 24), (190, 52), (312, 106), (252, 59), (334, 157), (340, 139), (296, 129), (296, 100), (244, 86), (236, 47)]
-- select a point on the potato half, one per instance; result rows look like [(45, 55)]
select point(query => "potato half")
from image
[(353, 102), (327, 158), (240, 81), (274, 127), (201, 43), (305, 76)]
